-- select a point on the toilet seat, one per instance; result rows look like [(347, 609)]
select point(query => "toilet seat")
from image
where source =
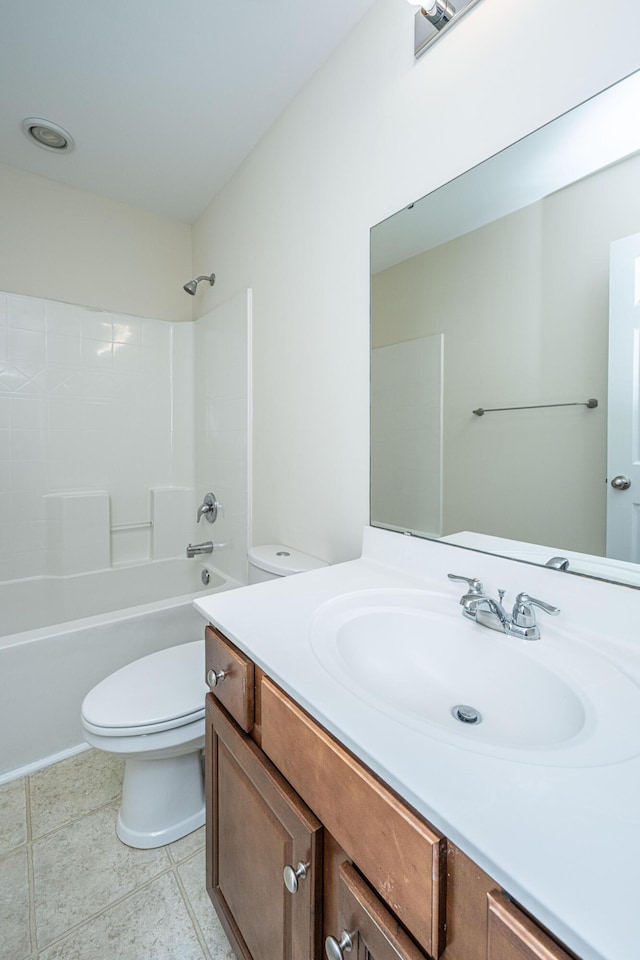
[(158, 692)]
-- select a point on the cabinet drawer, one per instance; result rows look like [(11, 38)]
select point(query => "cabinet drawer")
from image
[(236, 691), (514, 936), (401, 856), (368, 929)]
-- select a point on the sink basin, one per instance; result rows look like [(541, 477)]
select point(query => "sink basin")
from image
[(412, 655)]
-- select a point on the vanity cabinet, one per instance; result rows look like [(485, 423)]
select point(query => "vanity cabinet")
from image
[(512, 935), (256, 825), (305, 843), (368, 930)]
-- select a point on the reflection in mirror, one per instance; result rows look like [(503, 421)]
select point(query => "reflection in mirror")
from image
[(494, 293)]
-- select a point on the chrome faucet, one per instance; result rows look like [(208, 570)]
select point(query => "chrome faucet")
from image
[(558, 563), (478, 606), (195, 548)]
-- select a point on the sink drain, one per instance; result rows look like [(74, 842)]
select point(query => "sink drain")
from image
[(466, 714)]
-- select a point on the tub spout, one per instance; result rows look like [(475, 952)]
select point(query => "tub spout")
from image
[(195, 548)]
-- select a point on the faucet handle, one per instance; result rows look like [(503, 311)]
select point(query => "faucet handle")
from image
[(475, 585), (524, 615), (208, 508)]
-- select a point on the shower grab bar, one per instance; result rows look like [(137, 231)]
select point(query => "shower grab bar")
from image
[(591, 404), (131, 526)]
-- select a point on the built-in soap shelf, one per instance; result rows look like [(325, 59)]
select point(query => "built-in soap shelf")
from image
[(81, 536)]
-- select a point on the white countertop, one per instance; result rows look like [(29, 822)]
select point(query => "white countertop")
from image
[(563, 841)]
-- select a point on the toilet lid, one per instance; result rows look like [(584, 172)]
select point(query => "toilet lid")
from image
[(163, 690)]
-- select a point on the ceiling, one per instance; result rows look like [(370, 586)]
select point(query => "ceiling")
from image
[(164, 98)]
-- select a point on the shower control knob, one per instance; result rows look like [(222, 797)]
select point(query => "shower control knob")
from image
[(213, 678), (291, 876), (621, 483), (334, 948)]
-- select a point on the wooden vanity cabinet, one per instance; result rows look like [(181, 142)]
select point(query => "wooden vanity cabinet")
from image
[(402, 857), (512, 935), (367, 869), (367, 929), (231, 676), (257, 825)]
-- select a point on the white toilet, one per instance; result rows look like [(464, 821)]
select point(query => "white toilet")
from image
[(276, 560), (151, 712)]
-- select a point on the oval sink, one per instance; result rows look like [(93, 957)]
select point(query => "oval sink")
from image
[(412, 655)]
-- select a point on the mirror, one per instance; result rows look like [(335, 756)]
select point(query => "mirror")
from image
[(493, 324)]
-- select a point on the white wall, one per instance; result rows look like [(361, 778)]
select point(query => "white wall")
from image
[(371, 132), (60, 243)]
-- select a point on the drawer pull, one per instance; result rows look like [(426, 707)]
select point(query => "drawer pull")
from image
[(333, 948), (213, 678), (291, 876)]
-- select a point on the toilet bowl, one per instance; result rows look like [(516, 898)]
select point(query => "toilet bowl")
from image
[(151, 713)]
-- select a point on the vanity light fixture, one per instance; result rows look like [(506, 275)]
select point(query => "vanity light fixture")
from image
[(439, 14), (433, 18)]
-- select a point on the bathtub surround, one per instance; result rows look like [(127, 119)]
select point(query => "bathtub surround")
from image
[(98, 448), (58, 903), (171, 515), (77, 532), (222, 345), (93, 404)]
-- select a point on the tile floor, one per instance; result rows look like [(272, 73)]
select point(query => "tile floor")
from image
[(70, 890)]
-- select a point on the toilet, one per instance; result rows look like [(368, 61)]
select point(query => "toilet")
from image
[(277, 560), (151, 713)]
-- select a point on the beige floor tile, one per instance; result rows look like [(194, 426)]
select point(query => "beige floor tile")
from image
[(13, 815), (152, 924), (187, 846), (73, 788), (15, 940), (82, 868), (192, 876)]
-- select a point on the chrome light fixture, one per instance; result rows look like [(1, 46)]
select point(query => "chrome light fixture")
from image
[(433, 18), (439, 13)]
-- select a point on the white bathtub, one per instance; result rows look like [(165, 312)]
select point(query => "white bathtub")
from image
[(101, 621)]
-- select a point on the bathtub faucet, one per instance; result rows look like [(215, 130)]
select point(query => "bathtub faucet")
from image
[(196, 548)]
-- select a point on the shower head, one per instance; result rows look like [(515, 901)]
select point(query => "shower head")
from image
[(192, 285)]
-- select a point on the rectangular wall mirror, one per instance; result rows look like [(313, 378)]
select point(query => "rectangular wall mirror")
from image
[(505, 350)]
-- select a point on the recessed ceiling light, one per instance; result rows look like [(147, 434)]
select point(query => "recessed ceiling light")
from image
[(48, 135)]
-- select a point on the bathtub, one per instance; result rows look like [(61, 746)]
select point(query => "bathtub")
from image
[(60, 636)]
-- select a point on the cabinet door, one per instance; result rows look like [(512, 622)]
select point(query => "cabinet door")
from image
[(367, 930), (514, 936), (257, 825)]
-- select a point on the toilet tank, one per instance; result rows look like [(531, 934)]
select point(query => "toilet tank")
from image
[(275, 560)]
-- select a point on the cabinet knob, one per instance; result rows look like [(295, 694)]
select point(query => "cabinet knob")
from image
[(213, 678), (291, 876), (334, 948)]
